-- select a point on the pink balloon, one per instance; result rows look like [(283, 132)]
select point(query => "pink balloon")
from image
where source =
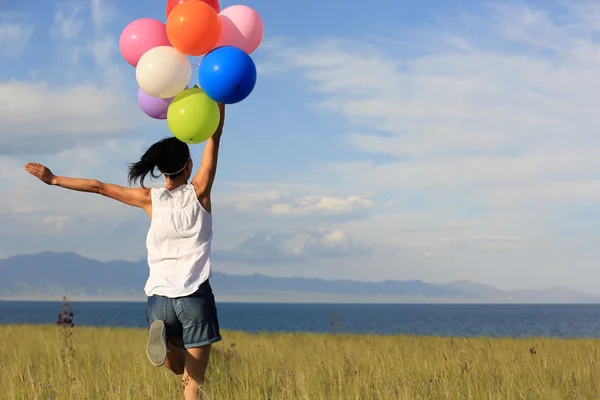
[(241, 27), (140, 36)]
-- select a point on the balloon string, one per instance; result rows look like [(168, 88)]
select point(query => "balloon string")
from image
[(197, 63)]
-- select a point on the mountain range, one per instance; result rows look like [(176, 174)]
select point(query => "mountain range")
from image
[(50, 275)]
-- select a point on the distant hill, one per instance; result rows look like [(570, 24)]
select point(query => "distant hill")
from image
[(474, 289), (49, 275)]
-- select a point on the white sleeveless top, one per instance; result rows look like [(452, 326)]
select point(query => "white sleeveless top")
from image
[(178, 243)]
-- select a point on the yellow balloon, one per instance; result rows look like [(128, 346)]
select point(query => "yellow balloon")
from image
[(192, 116)]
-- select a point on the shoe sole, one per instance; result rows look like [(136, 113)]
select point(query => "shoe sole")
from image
[(156, 349)]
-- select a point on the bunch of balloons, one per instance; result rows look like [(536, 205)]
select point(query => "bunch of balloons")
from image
[(160, 54)]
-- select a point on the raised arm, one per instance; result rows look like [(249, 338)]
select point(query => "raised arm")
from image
[(205, 176), (137, 197)]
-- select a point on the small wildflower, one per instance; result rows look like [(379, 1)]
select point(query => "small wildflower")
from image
[(532, 351), (65, 321)]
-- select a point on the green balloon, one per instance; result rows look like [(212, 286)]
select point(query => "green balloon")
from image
[(192, 116)]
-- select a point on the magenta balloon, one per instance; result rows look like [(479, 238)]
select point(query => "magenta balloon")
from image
[(152, 106)]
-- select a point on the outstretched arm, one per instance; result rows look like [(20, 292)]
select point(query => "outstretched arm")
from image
[(205, 176), (137, 197)]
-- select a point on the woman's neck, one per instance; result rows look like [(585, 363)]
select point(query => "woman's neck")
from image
[(173, 184)]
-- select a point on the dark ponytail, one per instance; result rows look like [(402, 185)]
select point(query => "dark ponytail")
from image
[(168, 156)]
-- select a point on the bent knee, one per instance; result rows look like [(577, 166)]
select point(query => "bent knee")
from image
[(174, 368), (175, 361), (176, 371)]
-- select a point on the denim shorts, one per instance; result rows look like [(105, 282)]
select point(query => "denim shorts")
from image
[(191, 318)]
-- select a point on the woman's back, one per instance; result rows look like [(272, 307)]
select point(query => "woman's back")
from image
[(178, 243)]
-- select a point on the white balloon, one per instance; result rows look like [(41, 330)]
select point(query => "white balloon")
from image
[(163, 72)]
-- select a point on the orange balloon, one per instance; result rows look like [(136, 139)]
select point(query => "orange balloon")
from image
[(193, 28)]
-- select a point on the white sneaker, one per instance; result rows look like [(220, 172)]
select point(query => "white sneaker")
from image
[(156, 350)]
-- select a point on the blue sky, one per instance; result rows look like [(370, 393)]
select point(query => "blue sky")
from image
[(406, 140)]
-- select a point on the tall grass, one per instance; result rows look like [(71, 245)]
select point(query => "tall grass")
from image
[(111, 364)]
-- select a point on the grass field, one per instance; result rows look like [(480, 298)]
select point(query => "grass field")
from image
[(111, 364)]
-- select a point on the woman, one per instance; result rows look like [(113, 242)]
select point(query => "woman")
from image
[(180, 307)]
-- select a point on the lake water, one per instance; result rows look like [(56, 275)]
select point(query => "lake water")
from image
[(563, 321)]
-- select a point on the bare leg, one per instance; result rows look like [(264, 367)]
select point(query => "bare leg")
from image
[(196, 362), (175, 361)]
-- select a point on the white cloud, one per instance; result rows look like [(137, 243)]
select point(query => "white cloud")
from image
[(321, 204), (68, 26), (104, 48), (82, 98), (56, 221), (467, 115), (38, 114), (335, 243), (281, 248), (97, 48), (102, 12), (483, 127), (14, 38), (97, 13), (291, 200)]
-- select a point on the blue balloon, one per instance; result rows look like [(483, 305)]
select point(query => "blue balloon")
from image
[(227, 75)]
